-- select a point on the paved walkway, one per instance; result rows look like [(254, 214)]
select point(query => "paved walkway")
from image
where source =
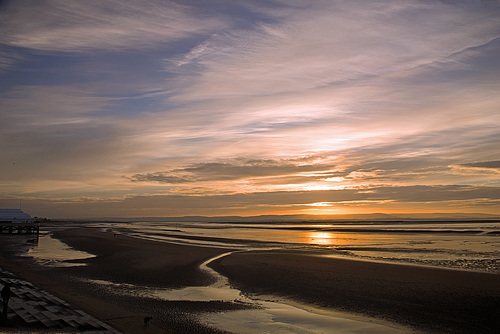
[(31, 307)]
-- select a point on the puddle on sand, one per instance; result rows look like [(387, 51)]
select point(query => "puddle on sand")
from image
[(200, 293), (54, 253), (283, 318), (220, 290)]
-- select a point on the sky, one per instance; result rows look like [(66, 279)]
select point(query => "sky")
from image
[(142, 108)]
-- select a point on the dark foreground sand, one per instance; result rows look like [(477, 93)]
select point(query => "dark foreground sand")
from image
[(430, 299), (425, 298)]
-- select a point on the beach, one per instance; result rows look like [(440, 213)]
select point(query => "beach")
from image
[(425, 299), (125, 260)]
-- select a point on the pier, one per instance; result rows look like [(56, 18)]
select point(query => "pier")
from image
[(15, 221), (19, 228)]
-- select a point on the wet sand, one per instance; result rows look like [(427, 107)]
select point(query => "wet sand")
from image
[(122, 259), (435, 300), (424, 298)]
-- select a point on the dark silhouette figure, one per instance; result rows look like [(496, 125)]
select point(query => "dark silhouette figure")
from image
[(147, 320), (5, 299)]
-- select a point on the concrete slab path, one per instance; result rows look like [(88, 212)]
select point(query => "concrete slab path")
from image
[(32, 307)]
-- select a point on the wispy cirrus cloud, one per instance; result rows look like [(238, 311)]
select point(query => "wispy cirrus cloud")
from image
[(74, 26), (8, 59), (55, 133), (338, 88), (334, 43)]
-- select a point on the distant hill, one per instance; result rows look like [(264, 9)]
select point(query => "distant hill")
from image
[(308, 218)]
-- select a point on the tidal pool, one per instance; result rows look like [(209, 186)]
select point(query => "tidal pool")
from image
[(52, 252)]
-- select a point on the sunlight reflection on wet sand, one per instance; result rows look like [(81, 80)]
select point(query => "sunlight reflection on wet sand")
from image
[(283, 318), (54, 253)]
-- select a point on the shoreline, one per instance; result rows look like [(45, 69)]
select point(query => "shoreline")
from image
[(375, 289)]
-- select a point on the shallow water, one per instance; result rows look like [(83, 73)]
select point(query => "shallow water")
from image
[(465, 245), (284, 318), (52, 252)]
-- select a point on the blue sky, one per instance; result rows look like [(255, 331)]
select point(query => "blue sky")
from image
[(172, 108)]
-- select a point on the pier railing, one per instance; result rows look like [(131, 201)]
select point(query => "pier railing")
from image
[(19, 228)]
